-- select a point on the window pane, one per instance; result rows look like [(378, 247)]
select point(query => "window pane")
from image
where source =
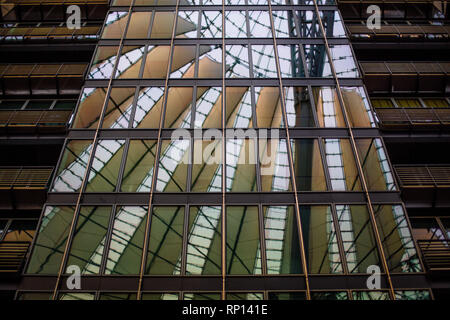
[(119, 108), (357, 106), (244, 296), (89, 239), (398, 244), (162, 26), (156, 62), (358, 238), (137, 176), (159, 296), (332, 24), (117, 296), (51, 240), (317, 61), (282, 241), (139, 24), (206, 167), (307, 163), (173, 166), (344, 63), (290, 61), (274, 164), (328, 108), (129, 64), (166, 240), (264, 65), (260, 26), (105, 166), (298, 107), (103, 64), (208, 110), (319, 236), (237, 61), (125, 249), (72, 167), (284, 24), (76, 296), (235, 24), (241, 165), (268, 107), (243, 243), (187, 22), (201, 296), (331, 295), (211, 24), (413, 295), (238, 107), (204, 241), (287, 295), (370, 295), (148, 108), (183, 61), (210, 62), (115, 25)]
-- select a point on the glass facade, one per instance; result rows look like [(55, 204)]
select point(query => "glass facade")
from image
[(221, 142)]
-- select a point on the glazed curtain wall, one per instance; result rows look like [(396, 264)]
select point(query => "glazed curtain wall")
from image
[(227, 99)]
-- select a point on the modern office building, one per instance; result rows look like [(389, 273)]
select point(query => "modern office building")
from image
[(225, 149)]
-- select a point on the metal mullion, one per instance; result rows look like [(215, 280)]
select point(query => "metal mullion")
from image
[(125, 147), (337, 229), (134, 104), (357, 158), (86, 175), (324, 163), (224, 167), (290, 156), (108, 238), (155, 166), (185, 239)]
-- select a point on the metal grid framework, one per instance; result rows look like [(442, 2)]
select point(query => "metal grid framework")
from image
[(333, 129)]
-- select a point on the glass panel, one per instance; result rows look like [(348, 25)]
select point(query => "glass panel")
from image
[(382, 103), (408, 103), (357, 106), (139, 24), (76, 296), (125, 249), (291, 65), (237, 61), (210, 62), (238, 107), (331, 295), (332, 24), (90, 108), (244, 296), (341, 165), (298, 107), (201, 296), (241, 165), (183, 61), (206, 167), (308, 22), (89, 239), (284, 24), (178, 107), (436, 103), (148, 108), (119, 108), (319, 236), (413, 295), (211, 24), (375, 165), (287, 295), (160, 296), (274, 164), (358, 238), (162, 26), (204, 241), (138, 173), (235, 26), (317, 61), (243, 243), (328, 108), (115, 25), (35, 296), (173, 166), (130, 61), (260, 26), (51, 240), (370, 295), (264, 65), (117, 296), (105, 166), (166, 241), (208, 110), (398, 244), (156, 62), (187, 22), (72, 167), (308, 168), (102, 66), (268, 107), (281, 239), (344, 63), (426, 229)]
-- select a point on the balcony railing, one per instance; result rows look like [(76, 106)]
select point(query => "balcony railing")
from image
[(423, 176), (398, 77), (47, 33), (34, 118), (406, 117), (25, 177), (400, 31), (435, 254), (12, 256)]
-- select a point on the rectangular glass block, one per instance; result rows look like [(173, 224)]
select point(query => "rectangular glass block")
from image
[(156, 62), (115, 25), (264, 65), (130, 61), (358, 107)]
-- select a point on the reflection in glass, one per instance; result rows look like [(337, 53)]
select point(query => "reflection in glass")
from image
[(259, 24), (332, 24), (358, 237), (291, 65), (139, 24), (244, 296), (298, 107), (162, 25), (201, 296), (90, 108), (211, 24), (375, 165), (398, 244), (210, 62), (243, 243), (237, 61), (357, 106), (296, 295), (268, 107), (89, 238), (241, 165), (129, 64), (125, 248), (264, 65), (235, 26), (413, 295), (105, 166), (178, 107), (76, 296), (341, 165), (274, 165), (148, 108), (51, 240), (72, 166), (343, 61), (119, 108), (308, 22), (238, 107), (156, 62), (281, 240), (115, 25), (370, 295), (328, 108), (317, 61), (204, 241), (206, 167), (102, 66), (308, 168), (159, 296), (283, 24), (117, 296), (173, 166), (320, 241), (329, 295), (208, 110), (166, 240)]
